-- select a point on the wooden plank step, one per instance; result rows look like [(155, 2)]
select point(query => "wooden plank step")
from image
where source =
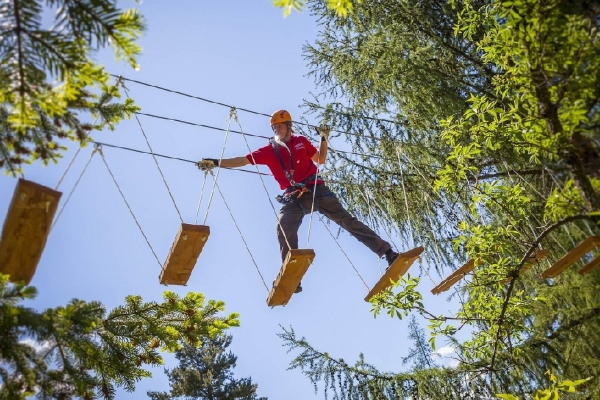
[(572, 257), (184, 253), (537, 257), (395, 271), (293, 269), (26, 229), (456, 276), (594, 264)]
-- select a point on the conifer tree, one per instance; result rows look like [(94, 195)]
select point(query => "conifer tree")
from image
[(474, 130), (421, 354), (206, 373), (82, 351), (49, 80)]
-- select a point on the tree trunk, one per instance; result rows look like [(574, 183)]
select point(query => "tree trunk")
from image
[(580, 152)]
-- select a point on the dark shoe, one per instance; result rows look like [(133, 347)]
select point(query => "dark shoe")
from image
[(390, 257), (299, 288)]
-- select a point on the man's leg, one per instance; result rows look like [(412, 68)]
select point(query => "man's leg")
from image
[(289, 219), (330, 206)]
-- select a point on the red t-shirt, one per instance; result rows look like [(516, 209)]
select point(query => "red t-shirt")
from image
[(302, 151)]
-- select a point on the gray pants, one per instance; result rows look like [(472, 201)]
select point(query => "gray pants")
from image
[(291, 214)]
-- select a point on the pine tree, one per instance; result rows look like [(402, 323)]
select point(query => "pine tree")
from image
[(421, 355), (206, 373), (49, 79), (82, 351), (474, 128)]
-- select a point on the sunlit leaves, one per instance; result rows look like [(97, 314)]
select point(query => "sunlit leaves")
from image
[(49, 75), (341, 7), (552, 393)]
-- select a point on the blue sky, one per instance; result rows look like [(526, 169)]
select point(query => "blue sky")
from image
[(244, 54)]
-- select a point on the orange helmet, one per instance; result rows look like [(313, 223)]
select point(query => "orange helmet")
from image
[(280, 116)]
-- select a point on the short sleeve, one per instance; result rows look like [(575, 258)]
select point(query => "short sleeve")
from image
[(260, 156)]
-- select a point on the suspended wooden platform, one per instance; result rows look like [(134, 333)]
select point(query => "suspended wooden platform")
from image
[(180, 262), (293, 269), (572, 257), (395, 271), (454, 277), (594, 264), (26, 229), (537, 257)]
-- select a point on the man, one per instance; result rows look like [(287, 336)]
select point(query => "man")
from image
[(291, 160)]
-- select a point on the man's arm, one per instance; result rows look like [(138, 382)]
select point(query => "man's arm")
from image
[(234, 162), (207, 164), (320, 156)]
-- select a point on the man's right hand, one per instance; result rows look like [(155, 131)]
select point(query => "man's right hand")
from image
[(207, 164)]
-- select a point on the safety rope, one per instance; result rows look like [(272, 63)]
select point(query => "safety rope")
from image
[(231, 114), (239, 231), (120, 83), (68, 167), (312, 206), (348, 258), (262, 181), (431, 186), (412, 238), (200, 200), (74, 186), (99, 148), (368, 201)]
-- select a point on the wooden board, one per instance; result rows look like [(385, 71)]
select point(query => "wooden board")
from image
[(572, 257), (395, 271), (454, 277), (537, 257), (26, 229), (594, 264), (293, 269), (182, 257)]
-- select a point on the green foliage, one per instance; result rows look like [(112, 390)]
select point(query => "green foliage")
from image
[(421, 354), (566, 201), (341, 7), (205, 373), (81, 350), (553, 393), (48, 74), (43, 141), (401, 303), (342, 380), (475, 132)]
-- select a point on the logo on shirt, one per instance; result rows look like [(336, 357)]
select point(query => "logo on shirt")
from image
[(299, 146)]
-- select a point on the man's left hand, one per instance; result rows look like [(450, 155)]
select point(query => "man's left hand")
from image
[(207, 164), (324, 131)]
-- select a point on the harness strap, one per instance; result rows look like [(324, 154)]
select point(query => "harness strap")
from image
[(289, 174)]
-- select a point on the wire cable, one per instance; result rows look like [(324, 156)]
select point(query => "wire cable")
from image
[(197, 124), (240, 232), (99, 148), (169, 157), (68, 167), (248, 110), (74, 187), (240, 133), (347, 257), (231, 113), (120, 83), (263, 183)]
